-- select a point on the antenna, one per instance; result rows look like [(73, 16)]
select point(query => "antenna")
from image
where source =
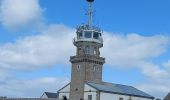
[(90, 13)]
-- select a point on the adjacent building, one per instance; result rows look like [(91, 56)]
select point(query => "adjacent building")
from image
[(47, 95), (107, 91)]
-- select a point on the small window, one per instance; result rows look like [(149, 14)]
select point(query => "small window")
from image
[(89, 97), (87, 50), (79, 48), (95, 35), (78, 67), (64, 97), (120, 98), (80, 35), (88, 34), (76, 89)]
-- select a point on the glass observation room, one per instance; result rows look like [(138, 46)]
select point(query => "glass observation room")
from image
[(93, 34), (88, 34)]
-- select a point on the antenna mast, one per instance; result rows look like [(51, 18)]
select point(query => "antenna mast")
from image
[(90, 13)]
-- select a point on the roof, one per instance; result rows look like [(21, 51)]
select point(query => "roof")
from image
[(51, 95), (64, 87), (167, 97), (119, 89)]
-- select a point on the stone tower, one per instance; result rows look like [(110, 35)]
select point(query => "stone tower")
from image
[(87, 63)]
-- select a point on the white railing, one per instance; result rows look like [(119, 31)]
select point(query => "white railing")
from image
[(100, 40)]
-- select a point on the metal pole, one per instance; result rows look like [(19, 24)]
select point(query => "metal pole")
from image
[(90, 15)]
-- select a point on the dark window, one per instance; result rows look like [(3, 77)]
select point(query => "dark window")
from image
[(95, 35), (88, 34), (89, 97), (80, 35), (78, 67), (79, 48), (76, 89), (120, 98), (64, 98)]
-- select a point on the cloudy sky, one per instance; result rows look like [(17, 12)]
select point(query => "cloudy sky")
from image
[(36, 42)]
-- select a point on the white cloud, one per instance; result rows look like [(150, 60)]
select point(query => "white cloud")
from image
[(19, 13), (4, 75), (156, 89), (32, 87), (167, 65), (154, 72), (131, 49), (53, 46)]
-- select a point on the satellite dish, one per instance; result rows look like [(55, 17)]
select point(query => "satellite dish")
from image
[(90, 0)]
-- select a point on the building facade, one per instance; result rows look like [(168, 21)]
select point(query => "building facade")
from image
[(107, 91)]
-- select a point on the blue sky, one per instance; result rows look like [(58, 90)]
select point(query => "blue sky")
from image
[(36, 42), (145, 17)]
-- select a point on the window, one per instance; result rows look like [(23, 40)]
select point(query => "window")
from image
[(95, 51), (95, 35), (76, 89), (88, 34), (78, 67), (130, 98), (64, 97), (89, 97), (87, 50), (120, 98), (79, 48), (80, 35)]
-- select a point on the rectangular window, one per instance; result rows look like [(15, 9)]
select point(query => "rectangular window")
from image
[(80, 35), (120, 98), (95, 35), (89, 97), (87, 50), (88, 34)]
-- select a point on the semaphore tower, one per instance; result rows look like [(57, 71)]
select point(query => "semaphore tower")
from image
[(87, 63)]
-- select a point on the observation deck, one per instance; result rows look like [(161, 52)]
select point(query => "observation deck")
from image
[(88, 34)]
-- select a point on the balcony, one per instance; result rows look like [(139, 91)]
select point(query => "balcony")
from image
[(99, 40)]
